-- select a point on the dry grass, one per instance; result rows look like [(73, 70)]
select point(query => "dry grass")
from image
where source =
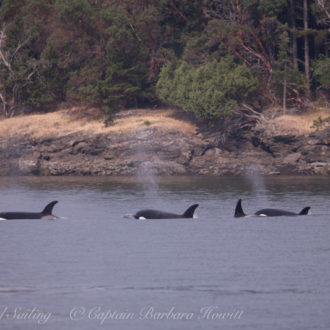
[(298, 124), (63, 123)]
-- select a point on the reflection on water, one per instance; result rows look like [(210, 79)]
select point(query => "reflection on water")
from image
[(275, 270), (247, 184)]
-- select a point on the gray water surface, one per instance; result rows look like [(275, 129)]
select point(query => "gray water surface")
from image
[(97, 268)]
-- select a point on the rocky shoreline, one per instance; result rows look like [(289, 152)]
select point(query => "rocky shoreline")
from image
[(169, 151)]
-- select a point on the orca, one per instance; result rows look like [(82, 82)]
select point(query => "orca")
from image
[(267, 212), (156, 214), (46, 213)]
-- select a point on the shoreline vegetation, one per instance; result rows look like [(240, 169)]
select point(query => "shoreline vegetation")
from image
[(244, 78), (213, 59), (160, 143)]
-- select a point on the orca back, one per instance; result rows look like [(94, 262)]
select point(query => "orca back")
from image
[(156, 214), (47, 211), (20, 215), (274, 212), (278, 212)]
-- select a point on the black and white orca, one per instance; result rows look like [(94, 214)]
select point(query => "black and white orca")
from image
[(46, 213), (156, 214), (267, 212)]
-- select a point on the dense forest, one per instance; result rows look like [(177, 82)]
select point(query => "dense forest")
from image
[(207, 57)]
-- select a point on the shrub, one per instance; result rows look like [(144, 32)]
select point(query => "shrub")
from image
[(320, 123), (210, 92)]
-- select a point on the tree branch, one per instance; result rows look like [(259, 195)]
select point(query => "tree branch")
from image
[(3, 54), (4, 103), (19, 46), (257, 55), (322, 6), (32, 72), (253, 113), (178, 11), (14, 82)]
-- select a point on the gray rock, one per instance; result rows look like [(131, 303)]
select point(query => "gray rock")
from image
[(292, 158), (166, 152)]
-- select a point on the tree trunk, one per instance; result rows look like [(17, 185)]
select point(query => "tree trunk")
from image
[(284, 89), (293, 35), (4, 105), (306, 48)]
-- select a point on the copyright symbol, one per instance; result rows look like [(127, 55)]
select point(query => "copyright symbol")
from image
[(77, 313)]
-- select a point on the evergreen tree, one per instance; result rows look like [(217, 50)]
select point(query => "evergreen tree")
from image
[(111, 53)]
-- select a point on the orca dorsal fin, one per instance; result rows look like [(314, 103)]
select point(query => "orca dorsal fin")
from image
[(239, 210), (305, 210), (49, 208), (189, 213)]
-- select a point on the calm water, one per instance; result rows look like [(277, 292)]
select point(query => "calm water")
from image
[(94, 265)]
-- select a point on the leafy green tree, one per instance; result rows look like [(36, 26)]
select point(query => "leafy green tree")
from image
[(77, 13)]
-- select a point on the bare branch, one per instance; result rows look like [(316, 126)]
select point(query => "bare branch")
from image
[(20, 45), (178, 12), (135, 33), (3, 55), (3, 100), (32, 72), (254, 114), (15, 83), (322, 5)]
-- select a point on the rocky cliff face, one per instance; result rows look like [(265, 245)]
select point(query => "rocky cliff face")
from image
[(166, 152)]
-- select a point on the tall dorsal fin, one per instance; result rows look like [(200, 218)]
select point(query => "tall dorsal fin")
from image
[(189, 213), (49, 208), (239, 210)]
